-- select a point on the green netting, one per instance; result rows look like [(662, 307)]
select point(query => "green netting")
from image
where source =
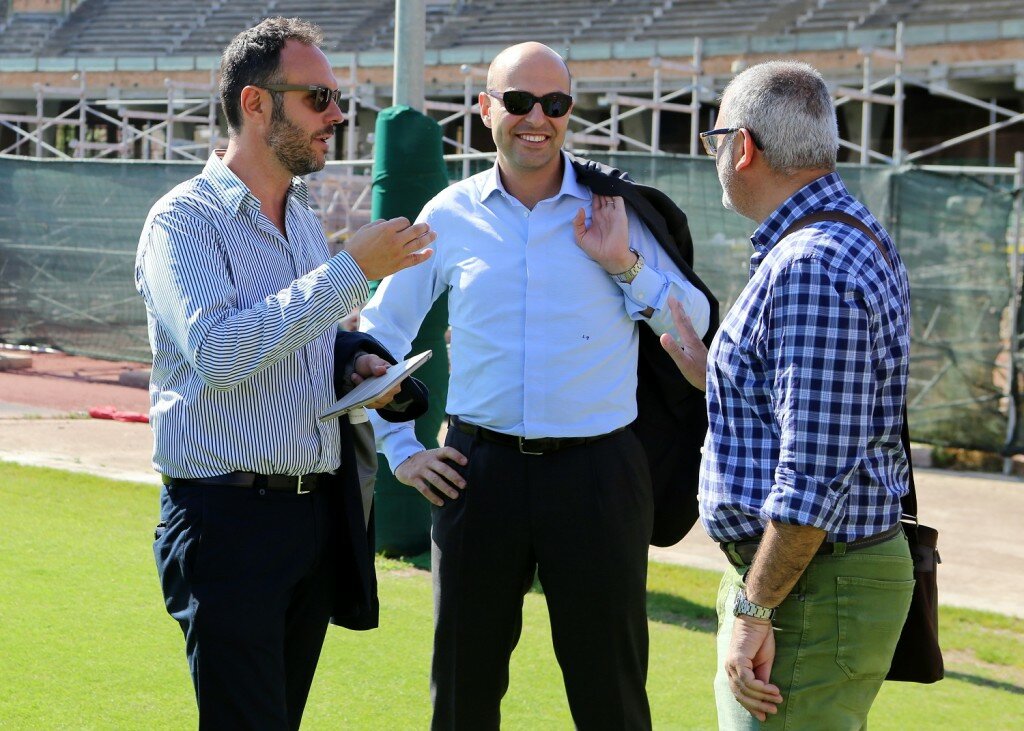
[(408, 171), (68, 232)]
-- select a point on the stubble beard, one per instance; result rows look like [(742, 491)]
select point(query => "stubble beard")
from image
[(291, 145)]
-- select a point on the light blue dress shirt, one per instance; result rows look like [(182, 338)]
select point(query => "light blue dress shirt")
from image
[(543, 339), (242, 324)]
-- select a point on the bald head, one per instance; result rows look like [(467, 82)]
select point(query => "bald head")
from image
[(521, 55)]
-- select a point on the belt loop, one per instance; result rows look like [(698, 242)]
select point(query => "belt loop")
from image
[(733, 554), (838, 549)]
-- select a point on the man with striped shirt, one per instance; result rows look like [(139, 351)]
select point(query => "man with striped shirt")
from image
[(244, 303), (803, 466)]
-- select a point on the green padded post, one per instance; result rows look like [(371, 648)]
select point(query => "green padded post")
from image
[(409, 170)]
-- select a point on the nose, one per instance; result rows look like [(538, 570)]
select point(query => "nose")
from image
[(334, 114), (536, 114)]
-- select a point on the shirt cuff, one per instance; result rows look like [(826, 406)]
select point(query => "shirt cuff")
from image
[(801, 500), (348, 280), (645, 288), (397, 442)]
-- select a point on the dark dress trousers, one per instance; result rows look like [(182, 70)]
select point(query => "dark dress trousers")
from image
[(254, 576)]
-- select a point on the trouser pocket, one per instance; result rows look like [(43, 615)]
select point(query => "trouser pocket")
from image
[(871, 613)]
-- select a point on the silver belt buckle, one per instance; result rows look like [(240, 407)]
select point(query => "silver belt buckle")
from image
[(299, 490), (523, 451)]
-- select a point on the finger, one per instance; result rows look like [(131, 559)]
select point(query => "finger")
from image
[(413, 258), (426, 492), (424, 239), (379, 366), (453, 455), (399, 223), (673, 348), (413, 233), (579, 225), (439, 484), (446, 471)]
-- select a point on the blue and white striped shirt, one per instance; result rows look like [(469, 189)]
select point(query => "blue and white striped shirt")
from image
[(242, 324), (807, 378)]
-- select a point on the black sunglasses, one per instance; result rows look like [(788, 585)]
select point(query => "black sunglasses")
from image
[(555, 104), (321, 95)]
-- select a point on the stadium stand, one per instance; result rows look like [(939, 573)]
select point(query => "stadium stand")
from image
[(25, 34), (182, 27)]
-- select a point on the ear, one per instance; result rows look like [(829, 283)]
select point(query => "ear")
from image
[(485, 108), (747, 150), (255, 105)]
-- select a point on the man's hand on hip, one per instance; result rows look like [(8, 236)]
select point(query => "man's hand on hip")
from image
[(429, 472), (748, 666), (384, 247)]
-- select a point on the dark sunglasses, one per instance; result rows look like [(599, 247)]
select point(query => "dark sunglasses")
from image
[(321, 95), (555, 104)]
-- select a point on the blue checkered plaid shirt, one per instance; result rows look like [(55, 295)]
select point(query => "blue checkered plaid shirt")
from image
[(807, 378)]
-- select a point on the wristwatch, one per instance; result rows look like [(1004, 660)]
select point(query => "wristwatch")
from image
[(630, 274), (745, 607)]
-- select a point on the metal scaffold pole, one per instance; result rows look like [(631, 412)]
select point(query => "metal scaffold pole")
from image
[(410, 44)]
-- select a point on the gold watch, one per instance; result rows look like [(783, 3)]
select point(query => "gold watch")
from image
[(630, 274)]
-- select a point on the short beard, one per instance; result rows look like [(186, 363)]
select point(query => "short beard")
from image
[(291, 146)]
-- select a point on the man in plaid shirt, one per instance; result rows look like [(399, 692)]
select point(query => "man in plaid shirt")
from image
[(803, 465)]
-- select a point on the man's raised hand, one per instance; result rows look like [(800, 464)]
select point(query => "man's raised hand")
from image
[(384, 247)]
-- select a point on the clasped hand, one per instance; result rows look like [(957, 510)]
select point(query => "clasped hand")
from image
[(748, 666)]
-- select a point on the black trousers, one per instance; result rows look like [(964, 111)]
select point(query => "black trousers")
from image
[(580, 518), (250, 576)]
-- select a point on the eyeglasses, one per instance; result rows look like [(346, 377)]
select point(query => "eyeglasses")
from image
[(556, 104), (321, 95), (710, 138)]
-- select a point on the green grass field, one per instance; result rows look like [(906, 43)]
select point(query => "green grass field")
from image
[(85, 642)]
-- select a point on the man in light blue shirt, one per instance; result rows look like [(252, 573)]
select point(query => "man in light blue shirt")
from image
[(547, 287)]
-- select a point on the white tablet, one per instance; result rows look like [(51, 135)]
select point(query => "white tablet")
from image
[(372, 388)]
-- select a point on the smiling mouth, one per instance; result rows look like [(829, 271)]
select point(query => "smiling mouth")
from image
[(526, 137)]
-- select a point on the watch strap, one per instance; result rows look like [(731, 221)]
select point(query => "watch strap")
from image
[(630, 274), (744, 607)]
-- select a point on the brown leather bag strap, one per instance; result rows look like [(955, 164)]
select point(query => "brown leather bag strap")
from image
[(909, 501), (819, 216)]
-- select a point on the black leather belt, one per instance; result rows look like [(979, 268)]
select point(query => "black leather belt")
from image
[(300, 484), (741, 553), (541, 445)]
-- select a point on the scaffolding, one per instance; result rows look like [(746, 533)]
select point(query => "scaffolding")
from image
[(183, 124)]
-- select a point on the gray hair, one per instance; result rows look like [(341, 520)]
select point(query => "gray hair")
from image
[(790, 111)]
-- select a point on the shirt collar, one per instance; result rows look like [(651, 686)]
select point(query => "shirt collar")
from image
[(812, 197), (234, 193), (571, 186)]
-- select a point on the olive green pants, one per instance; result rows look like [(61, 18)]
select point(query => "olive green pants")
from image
[(834, 637)]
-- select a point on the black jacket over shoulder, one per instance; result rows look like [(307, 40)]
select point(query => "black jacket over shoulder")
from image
[(672, 415), (356, 605)]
